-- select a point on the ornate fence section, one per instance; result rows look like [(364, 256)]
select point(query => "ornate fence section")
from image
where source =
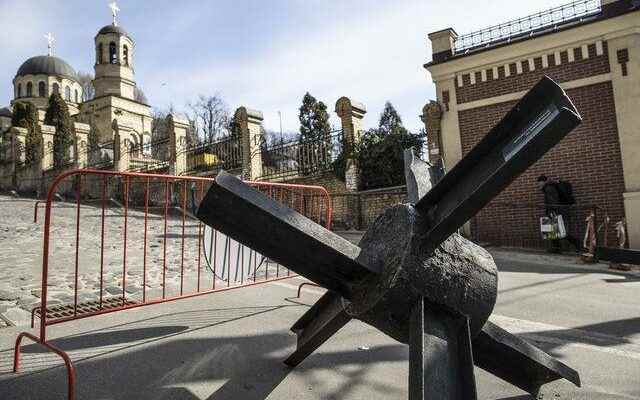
[(5, 152), (223, 153), (563, 14), (151, 156), (101, 155), (301, 157), (64, 160)]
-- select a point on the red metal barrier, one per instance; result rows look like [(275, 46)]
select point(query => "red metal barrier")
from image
[(157, 240)]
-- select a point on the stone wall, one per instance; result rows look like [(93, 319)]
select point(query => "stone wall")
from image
[(353, 209)]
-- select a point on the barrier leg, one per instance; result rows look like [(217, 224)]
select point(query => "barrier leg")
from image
[(303, 284), (71, 371)]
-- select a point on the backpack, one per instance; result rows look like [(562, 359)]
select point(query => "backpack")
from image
[(565, 192)]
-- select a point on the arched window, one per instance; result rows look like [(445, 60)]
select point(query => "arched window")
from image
[(42, 89), (125, 55), (67, 93), (113, 53), (29, 89), (77, 98), (56, 88), (100, 53), (19, 90)]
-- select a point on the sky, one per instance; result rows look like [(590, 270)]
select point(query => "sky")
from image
[(260, 54)]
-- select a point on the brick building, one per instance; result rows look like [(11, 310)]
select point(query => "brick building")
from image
[(592, 49)]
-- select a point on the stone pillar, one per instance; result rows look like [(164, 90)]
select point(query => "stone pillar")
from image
[(443, 44), (624, 59), (18, 144), (351, 114), (46, 148), (15, 155), (178, 127), (432, 118), (121, 144), (80, 144), (250, 127)]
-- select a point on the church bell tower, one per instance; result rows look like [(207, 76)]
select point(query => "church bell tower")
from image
[(114, 61)]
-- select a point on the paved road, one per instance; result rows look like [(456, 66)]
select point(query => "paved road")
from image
[(230, 345)]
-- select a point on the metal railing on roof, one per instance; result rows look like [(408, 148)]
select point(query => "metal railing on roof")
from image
[(566, 13)]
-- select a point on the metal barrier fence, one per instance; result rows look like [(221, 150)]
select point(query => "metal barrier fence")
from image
[(224, 153), (299, 158), (131, 239)]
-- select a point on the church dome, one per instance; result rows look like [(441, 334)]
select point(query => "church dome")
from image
[(47, 65), (113, 29)]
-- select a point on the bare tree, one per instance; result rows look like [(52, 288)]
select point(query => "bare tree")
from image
[(85, 79), (210, 116), (139, 96), (159, 126)]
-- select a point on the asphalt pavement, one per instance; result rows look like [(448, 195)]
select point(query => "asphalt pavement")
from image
[(230, 345)]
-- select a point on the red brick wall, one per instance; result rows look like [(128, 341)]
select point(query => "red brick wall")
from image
[(589, 157), (566, 71)]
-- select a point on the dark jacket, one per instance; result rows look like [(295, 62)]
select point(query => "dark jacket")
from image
[(552, 199)]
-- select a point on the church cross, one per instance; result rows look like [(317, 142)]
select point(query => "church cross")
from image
[(114, 11), (50, 40)]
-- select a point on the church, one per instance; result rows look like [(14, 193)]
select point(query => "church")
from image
[(114, 105)]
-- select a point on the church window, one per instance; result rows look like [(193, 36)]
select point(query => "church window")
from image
[(19, 91), (42, 89), (100, 53), (67, 93), (56, 88), (113, 53), (125, 55), (76, 94), (29, 89)]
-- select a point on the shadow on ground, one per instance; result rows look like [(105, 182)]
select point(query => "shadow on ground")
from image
[(236, 367)]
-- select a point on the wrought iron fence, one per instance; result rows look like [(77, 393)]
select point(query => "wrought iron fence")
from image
[(301, 157), (5, 152), (150, 156), (64, 160), (566, 13), (223, 153), (101, 155)]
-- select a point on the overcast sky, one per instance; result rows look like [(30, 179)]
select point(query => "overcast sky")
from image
[(262, 54)]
